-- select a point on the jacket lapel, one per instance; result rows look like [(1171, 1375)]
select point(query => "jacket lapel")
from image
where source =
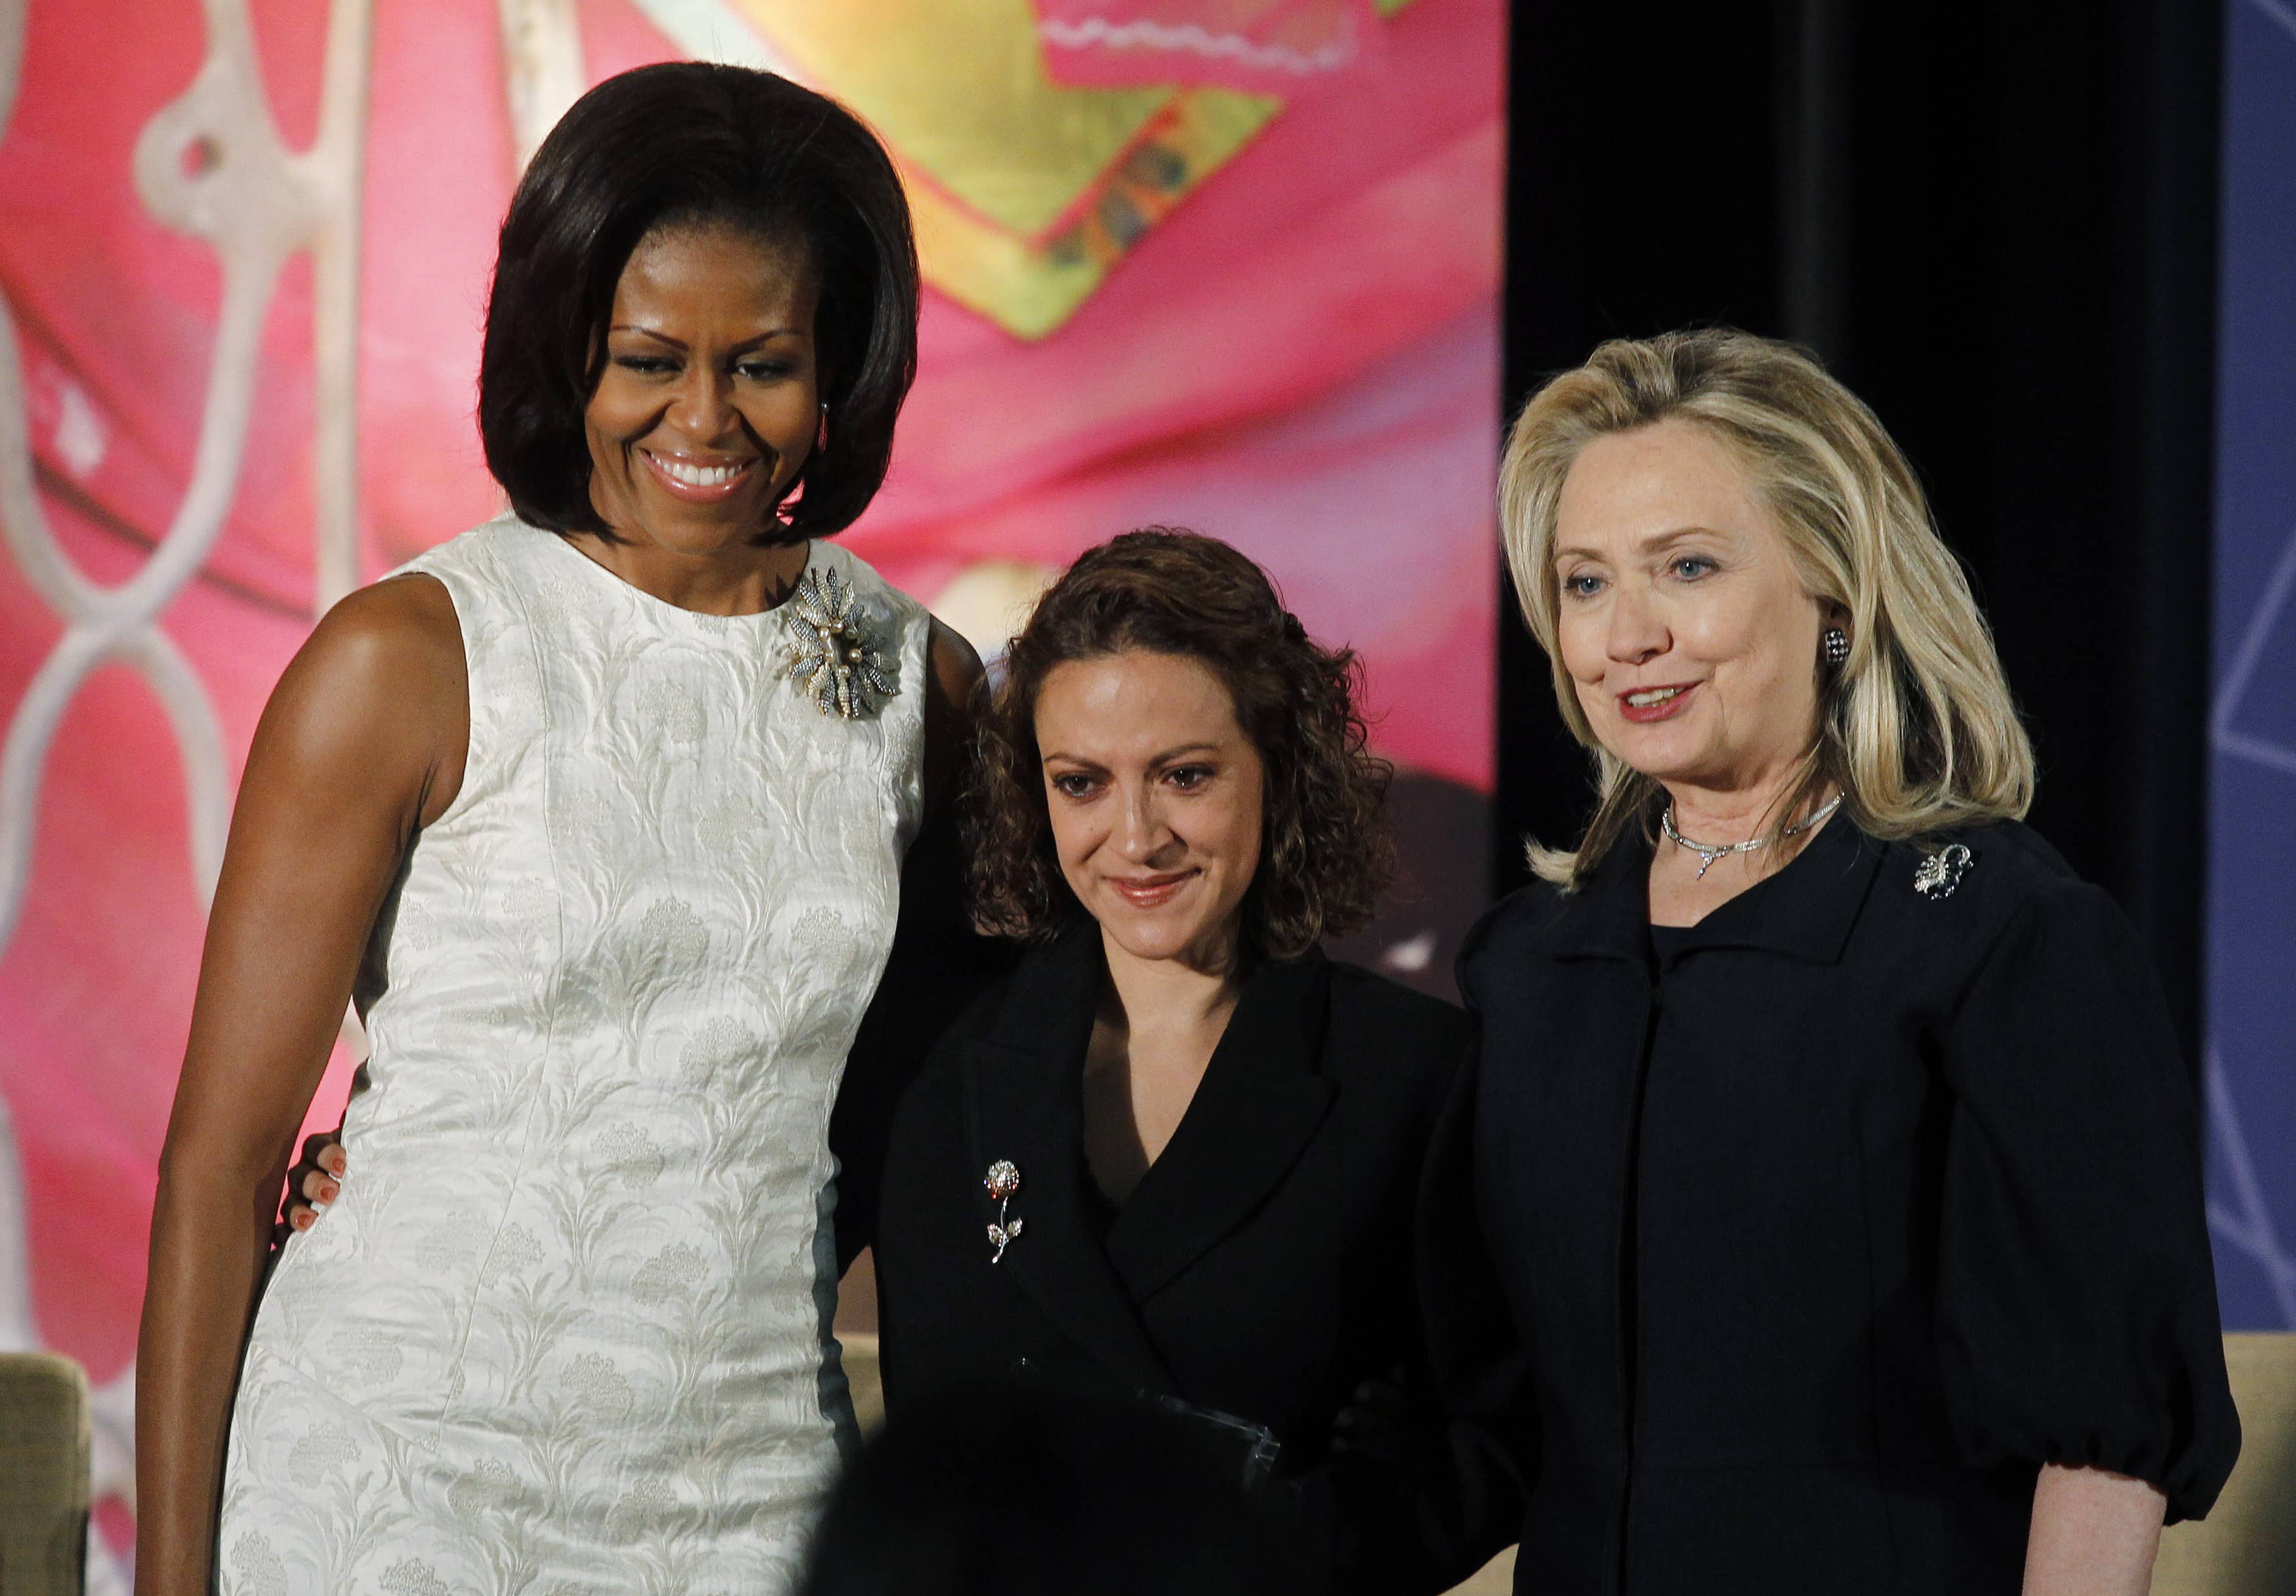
[(1024, 1099), (1257, 1105), (1609, 916)]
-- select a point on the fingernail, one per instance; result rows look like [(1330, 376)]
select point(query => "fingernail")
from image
[(335, 1162), (302, 1220), (329, 1191)]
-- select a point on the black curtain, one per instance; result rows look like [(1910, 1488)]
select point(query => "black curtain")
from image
[(1996, 224)]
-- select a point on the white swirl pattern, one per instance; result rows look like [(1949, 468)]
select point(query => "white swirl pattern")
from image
[(568, 1328)]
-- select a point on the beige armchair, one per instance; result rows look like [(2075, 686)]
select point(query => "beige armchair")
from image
[(44, 1478), (2247, 1545)]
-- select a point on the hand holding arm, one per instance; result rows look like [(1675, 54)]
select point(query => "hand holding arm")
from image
[(313, 1183)]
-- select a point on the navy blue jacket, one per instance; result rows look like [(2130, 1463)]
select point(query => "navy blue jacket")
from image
[(1823, 1229), (1265, 1266)]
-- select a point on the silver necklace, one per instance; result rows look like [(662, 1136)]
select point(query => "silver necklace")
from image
[(1708, 852)]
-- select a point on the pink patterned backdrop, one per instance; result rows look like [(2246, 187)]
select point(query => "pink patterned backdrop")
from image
[(1297, 351)]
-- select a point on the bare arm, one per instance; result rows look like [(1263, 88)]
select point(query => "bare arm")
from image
[(362, 743), (2095, 1533)]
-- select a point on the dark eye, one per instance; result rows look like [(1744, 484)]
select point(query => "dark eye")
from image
[(1187, 778), (763, 371), (1072, 784), (645, 366)]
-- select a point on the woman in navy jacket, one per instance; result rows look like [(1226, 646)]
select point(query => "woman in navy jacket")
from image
[(1175, 1154), (1830, 1143)]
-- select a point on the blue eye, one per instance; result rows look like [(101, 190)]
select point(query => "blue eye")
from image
[(1581, 585), (1690, 568)]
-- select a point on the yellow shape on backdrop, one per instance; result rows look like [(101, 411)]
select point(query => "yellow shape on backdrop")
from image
[(1026, 192)]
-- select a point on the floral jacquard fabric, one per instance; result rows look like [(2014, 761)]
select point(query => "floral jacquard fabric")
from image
[(567, 1329)]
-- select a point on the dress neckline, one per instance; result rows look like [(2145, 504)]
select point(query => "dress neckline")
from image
[(677, 614)]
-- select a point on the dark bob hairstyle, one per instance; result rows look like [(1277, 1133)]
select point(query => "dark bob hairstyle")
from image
[(1325, 854), (696, 143)]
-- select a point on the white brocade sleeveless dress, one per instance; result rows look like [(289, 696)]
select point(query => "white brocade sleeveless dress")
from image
[(567, 1329)]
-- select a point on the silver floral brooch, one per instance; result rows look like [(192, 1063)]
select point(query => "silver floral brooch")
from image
[(837, 659), (1001, 1183), (1941, 871)]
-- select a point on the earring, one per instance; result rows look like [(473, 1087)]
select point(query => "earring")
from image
[(1833, 642), (821, 434)]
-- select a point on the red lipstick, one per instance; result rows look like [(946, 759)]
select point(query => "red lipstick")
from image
[(1677, 695)]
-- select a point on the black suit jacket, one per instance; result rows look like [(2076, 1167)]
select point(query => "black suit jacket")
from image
[(1263, 1267), (1828, 1222)]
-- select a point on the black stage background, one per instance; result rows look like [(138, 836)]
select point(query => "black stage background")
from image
[(1998, 225)]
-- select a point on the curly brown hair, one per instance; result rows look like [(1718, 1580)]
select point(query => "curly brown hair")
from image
[(1325, 854)]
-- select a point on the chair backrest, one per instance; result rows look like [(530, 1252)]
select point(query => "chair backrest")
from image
[(2247, 1544), (44, 1478), (861, 1380)]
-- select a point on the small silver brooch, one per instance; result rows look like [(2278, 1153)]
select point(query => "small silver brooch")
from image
[(1002, 1182), (837, 661), (1941, 871)]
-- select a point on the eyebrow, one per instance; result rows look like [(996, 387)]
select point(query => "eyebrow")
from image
[(1166, 757), (1648, 545), (679, 343)]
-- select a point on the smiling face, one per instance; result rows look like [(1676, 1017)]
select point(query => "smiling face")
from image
[(1155, 796), (710, 401), (1686, 630)]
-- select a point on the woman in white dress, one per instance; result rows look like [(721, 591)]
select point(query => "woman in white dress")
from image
[(599, 811)]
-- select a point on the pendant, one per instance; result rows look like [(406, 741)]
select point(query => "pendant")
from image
[(1002, 1182)]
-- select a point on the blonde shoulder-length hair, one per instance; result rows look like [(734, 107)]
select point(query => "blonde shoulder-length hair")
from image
[(1916, 729)]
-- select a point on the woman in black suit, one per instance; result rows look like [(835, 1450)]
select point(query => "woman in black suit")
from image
[(1831, 1147), (1175, 1153)]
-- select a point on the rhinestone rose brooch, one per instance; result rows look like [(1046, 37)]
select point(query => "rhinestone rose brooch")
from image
[(837, 661), (1002, 1183)]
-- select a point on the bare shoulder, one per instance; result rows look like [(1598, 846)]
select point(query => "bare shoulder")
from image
[(400, 626), (379, 688)]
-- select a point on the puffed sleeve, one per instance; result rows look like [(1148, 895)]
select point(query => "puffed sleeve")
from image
[(2077, 1306)]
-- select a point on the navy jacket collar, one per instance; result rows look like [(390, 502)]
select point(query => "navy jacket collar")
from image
[(1805, 911), (1255, 1110), (1257, 1105)]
